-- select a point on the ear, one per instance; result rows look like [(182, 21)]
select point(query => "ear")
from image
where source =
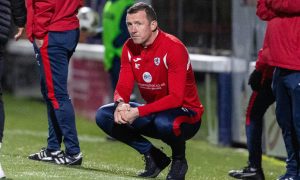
[(153, 26)]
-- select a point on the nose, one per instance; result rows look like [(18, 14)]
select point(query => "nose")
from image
[(133, 29)]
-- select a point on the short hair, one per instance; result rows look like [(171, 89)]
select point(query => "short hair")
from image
[(140, 6)]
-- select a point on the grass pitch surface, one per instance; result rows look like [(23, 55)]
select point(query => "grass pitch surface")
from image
[(26, 132)]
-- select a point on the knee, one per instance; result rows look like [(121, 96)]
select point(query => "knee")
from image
[(104, 117), (100, 120)]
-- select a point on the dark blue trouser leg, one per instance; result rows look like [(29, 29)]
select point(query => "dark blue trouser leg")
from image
[(54, 134), (53, 58), (286, 89), (124, 133), (258, 105), (163, 125)]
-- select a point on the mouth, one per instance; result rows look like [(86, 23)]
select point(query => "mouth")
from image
[(135, 38)]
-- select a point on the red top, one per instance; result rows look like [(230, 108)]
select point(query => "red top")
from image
[(282, 33), (163, 73), (51, 15)]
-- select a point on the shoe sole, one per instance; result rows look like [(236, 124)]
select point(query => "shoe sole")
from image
[(35, 159), (77, 162)]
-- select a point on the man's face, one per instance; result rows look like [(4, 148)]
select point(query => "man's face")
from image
[(140, 29)]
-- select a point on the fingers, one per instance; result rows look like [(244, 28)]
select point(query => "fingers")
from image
[(19, 33), (120, 117), (39, 42), (124, 115)]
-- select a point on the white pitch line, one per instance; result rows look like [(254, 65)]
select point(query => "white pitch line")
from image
[(83, 138)]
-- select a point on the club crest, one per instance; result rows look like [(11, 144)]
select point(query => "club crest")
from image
[(157, 61)]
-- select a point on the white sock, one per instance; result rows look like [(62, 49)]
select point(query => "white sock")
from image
[(2, 175)]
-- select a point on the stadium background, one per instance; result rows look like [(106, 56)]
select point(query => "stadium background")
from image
[(223, 37)]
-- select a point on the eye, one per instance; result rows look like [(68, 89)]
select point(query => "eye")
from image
[(128, 24)]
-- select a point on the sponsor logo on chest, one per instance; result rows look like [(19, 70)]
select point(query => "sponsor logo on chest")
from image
[(147, 77)]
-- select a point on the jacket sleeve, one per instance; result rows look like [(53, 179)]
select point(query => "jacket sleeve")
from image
[(263, 12), (43, 12), (126, 79), (285, 6), (19, 12), (261, 64)]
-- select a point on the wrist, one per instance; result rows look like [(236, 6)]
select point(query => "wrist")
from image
[(136, 112), (118, 102)]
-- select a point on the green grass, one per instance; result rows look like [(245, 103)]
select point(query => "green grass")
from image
[(26, 132)]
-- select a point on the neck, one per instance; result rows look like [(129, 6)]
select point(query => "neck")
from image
[(151, 39)]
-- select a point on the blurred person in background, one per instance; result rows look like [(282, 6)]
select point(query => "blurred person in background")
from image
[(282, 39), (261, 98), (114, 35), (52, 27), (16, 10), (159, 63)]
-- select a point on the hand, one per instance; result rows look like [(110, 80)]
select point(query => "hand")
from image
[(131, 115), (39, 42), (120, 113), (19, 33), (255, 80)]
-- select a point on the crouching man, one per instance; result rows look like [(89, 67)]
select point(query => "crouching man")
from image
[(159, 63)]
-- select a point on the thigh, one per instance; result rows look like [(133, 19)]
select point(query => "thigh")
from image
[(142, 123), (283, 101), (259, 102), (177, 123), (54, 60)]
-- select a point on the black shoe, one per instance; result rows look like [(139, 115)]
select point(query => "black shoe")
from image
[(64, 159), (155, 162), (248, 173), (44, 155), (178, 169)]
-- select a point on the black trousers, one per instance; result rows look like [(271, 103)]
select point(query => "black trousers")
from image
[(1, 101)]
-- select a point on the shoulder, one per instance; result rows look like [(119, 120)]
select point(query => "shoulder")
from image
[(172, 42)]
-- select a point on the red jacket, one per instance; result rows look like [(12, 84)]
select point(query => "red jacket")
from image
[(283, 31), (163, 73), (51, 15)]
